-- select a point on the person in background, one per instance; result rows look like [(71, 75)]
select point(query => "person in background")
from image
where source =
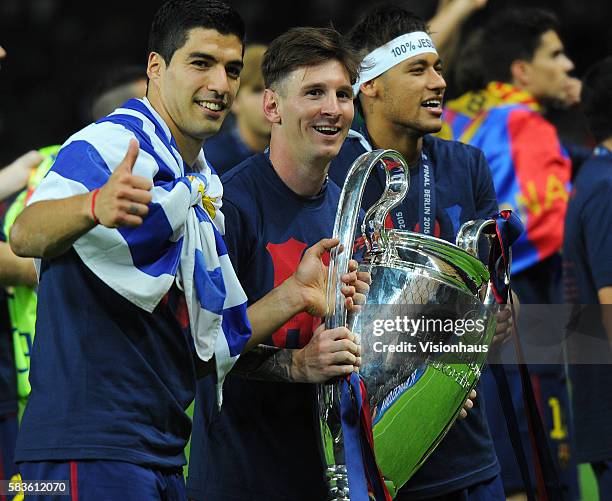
[(12, 179), (14, 176), (117, 86), (445, 26), (587, 270), (523, 65)]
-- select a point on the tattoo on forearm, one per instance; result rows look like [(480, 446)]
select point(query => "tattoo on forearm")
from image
[(266, 363)]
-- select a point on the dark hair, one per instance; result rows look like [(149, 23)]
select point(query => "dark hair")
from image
[(467, 70), (513, 34), (596, 97), (299, 47), (114, 89), (175, 18), (382, 24)]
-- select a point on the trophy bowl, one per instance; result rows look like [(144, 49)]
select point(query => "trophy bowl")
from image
[(424, 329)]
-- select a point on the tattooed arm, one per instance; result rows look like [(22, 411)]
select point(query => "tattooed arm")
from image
[(329, 353), (266, 363), (262, 363)]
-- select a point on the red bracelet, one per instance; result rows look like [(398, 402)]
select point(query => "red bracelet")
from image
[(93, 205)]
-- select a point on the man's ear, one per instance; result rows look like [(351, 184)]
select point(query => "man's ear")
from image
[(370, 88), (271, 106), (521, 73), (155, 66)]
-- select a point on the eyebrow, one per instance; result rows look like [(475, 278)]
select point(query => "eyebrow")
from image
[(418, 62), (203, 55), (318, 85), (424, 62)]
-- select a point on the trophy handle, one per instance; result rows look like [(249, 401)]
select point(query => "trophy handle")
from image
[(468, 238), (470, 233), (397, 184)]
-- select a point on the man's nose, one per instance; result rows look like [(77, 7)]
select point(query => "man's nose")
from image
[(219, 81), (331, 106), (569, 64), (436, 80)]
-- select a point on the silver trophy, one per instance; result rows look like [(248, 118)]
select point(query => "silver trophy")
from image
[(414, 396)]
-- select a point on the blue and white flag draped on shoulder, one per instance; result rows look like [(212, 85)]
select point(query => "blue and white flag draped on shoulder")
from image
[(180, 239)]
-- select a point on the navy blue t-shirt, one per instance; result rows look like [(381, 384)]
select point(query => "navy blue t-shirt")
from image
[(587, 267), (464, 191), (8, 378), (264, 445), (226, 150), (109, 380)]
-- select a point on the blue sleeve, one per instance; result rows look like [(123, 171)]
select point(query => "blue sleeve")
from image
[(596, 219), (578, 155), (486, 200)]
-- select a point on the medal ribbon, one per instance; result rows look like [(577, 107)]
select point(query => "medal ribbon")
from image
[(364, 477), (427, 197)]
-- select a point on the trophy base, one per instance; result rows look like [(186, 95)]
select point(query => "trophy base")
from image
[(337, 479)]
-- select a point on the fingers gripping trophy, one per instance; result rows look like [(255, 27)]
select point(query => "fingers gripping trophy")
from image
[(378, 427)]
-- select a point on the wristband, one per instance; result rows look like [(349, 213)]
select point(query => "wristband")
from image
[(93, 206)]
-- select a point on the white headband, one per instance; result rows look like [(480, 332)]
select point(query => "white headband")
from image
[(394, 52)]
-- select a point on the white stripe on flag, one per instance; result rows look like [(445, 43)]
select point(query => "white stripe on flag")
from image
[(171, 158), (234, 295), (55, 187)]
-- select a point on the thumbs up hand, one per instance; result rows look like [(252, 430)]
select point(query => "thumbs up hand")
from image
[(124, 199)]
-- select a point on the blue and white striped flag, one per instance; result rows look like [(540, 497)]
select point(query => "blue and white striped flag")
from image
[(180, 239)]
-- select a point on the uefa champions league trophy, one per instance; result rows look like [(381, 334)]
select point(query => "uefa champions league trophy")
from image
[(414, 397)]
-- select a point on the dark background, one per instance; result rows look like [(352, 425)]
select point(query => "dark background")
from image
[(58, 50)]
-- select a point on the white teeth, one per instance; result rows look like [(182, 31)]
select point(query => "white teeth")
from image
[(434, 103), (322, 128), (211, 106)]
